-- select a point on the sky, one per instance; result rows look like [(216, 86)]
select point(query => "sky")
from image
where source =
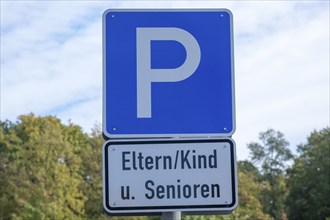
[(51, 63)]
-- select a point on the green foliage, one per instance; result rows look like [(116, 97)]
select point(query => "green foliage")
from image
[(248, 168), (135, 218), (249, 194), (250, 189), (42, 170), (272, 154), (309, 179), (50, 170), (204, 217), (92, 174)]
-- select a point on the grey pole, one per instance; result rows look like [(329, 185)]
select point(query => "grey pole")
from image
[(171, 216)]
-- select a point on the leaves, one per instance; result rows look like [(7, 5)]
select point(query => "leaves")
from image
[(309, 179), (43, 170), (50, 170), (272, 154)]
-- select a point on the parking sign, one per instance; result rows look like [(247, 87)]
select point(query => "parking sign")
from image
[(168, 73)]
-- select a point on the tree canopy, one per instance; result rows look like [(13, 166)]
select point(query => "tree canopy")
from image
[(52, 170), (309, 179)]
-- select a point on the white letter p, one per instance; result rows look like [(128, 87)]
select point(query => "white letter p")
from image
[(146, 75)]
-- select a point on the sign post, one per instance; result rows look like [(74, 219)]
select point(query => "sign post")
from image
[(171, 216), (168, 112)]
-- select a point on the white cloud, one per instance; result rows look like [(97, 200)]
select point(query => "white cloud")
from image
[(43, 60), (51, 62), (282, 77)]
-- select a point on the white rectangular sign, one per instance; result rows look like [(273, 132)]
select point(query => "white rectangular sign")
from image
[(171, 175)]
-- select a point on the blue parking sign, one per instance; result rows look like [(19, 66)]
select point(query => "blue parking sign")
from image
[(168, 73)]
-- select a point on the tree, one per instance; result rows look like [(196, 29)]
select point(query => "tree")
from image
[(249, 169), (309, 179), (41, 168), (272, 154), (7, 166), (249, 196), (50, 170), (92, 173)]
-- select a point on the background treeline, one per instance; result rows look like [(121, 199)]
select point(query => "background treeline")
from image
[(51, 170)]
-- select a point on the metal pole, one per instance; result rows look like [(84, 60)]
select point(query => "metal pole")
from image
[(171, 216)]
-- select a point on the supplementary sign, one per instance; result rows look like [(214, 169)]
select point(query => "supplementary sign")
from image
[(163, 175), (168, 73)]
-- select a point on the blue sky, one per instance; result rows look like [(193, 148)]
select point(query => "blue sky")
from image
[(51, 62)]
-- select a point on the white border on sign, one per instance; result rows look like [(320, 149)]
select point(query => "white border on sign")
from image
[(189, 209), (197, 135)]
